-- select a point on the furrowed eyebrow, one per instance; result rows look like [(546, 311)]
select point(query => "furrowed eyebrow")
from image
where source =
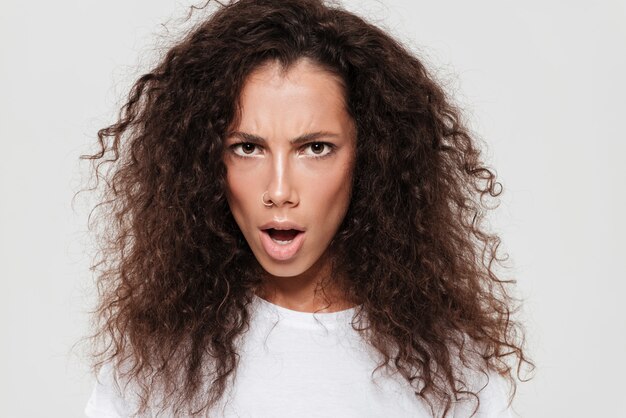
[(311, 136)]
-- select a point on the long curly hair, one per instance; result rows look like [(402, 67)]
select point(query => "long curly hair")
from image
[(175, 275)]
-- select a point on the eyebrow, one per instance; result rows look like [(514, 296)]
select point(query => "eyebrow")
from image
[(311, 136)]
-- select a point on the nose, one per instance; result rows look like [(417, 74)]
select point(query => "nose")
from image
[(281, 190)]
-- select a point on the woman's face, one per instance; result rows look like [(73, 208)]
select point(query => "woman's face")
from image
[(293, 150)]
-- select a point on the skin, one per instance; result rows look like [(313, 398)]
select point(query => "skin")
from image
[(309, 183)]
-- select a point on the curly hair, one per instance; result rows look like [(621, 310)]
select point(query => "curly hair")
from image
[(175, 274)]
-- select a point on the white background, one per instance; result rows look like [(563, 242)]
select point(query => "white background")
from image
[(541, 81)]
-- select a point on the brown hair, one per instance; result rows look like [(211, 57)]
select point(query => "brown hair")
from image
[(175, 273)]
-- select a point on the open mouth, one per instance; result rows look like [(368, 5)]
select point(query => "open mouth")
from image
[(282, 244), (282, 236)]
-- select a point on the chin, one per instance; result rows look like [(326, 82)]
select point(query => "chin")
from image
[(285, 270)]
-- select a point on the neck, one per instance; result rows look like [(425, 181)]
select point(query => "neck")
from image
[(312, 291)]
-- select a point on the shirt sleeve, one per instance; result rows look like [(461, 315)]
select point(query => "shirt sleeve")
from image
[(106, 399), (494, 399)]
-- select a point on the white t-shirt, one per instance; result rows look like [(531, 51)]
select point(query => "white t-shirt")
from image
[(301, 364)]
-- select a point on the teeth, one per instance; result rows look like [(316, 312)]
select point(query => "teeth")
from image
[(281, 242)]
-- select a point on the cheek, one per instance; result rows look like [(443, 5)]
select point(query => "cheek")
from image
[(333, 196), (237, 192)]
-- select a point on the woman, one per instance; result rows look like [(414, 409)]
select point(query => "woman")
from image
[(294, 229)]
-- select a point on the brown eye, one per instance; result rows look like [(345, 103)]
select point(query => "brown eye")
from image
[(244, 149), (247, 148), (317, 147)]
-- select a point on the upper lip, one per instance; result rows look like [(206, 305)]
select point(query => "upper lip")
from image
[(282, 225)]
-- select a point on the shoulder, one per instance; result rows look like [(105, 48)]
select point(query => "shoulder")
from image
[(492, 399), (107, 398), (492, 390)]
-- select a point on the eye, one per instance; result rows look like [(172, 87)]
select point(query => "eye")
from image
[(246, 149), (319, 149)]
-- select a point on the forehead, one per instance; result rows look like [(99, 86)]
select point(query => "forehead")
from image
[(304, 96), (303, 71)]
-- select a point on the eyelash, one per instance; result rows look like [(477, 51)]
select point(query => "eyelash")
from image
[(327, 144)]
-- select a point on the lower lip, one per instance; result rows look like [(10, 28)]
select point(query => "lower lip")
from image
[(278, 251)]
